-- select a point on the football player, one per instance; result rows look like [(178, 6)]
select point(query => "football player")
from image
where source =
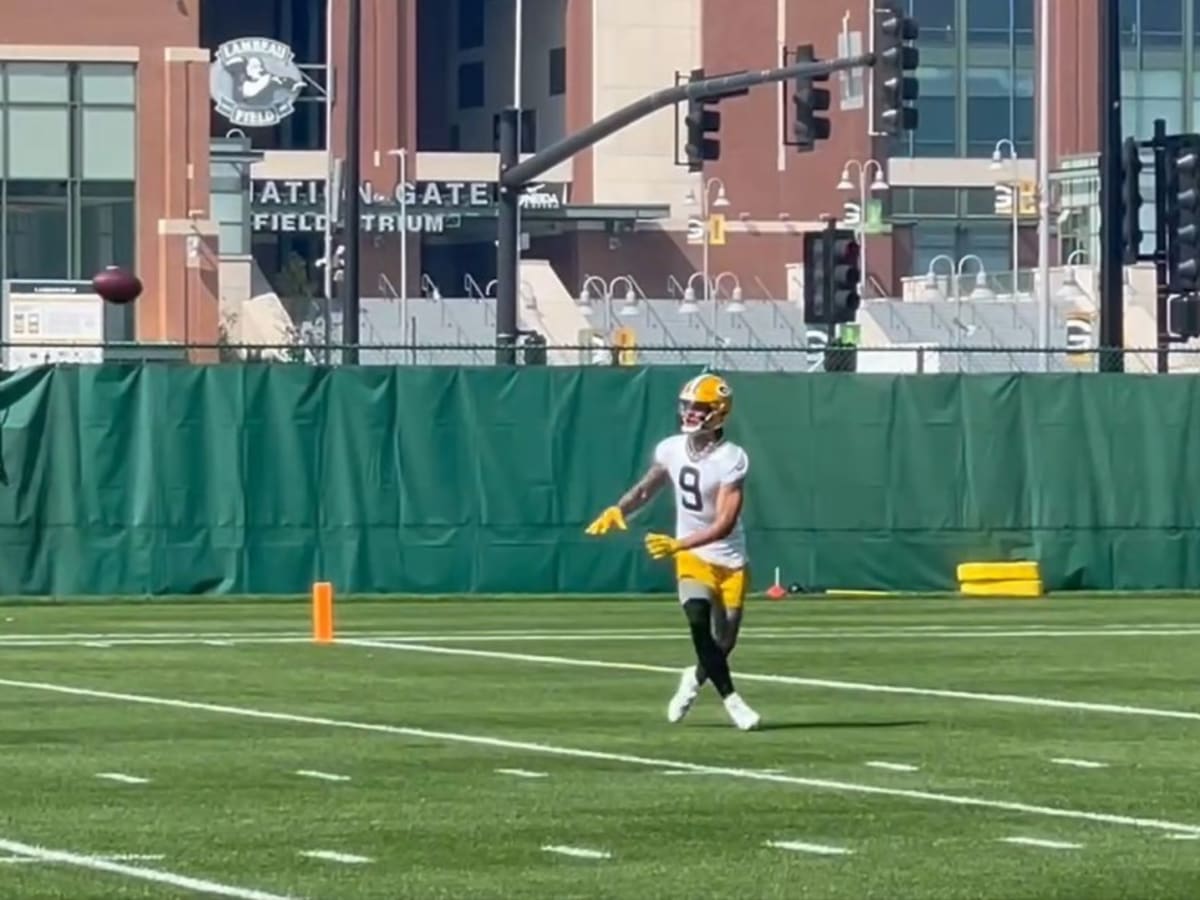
[(708, 474)]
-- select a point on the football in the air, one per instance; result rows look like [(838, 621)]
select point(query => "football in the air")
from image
[(116, 285)]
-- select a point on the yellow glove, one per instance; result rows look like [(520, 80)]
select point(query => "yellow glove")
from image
[(609, 519), (661, 545)]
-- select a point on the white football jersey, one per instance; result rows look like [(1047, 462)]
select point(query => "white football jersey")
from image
[(696, 480)]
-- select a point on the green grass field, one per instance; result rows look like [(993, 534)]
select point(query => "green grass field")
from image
[(924, 749)]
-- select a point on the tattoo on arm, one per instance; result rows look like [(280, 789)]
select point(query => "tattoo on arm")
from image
[(641, 493)]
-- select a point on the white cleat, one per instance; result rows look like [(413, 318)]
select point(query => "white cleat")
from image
[(685, 696), (743, 716)]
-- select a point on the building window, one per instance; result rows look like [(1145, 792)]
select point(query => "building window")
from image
[(67, 169), (558, 71), (471, 26), (470, 86)]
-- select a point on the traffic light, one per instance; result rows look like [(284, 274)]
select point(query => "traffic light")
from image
[(1131, 201), (701, 122), (1183, 215), (831, 276), (846, 275), (893, 89), (1183, 316), (808, 101)]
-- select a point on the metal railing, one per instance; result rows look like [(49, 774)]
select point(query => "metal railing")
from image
[(911, 359)]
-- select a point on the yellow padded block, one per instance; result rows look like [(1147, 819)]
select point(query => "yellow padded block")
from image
[(1015, 588), (1021, 570)]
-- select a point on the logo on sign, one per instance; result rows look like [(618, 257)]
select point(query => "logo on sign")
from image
[(254, 82)]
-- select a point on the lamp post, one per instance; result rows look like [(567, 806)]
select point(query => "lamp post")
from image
[(402, 155), (734, 304), (1043, 166), (708, 200), (981, 291), (877, 185), (998, 159)]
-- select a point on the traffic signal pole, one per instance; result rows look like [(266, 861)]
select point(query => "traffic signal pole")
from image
[(1161, 293), (1112, 282), (513, 178)]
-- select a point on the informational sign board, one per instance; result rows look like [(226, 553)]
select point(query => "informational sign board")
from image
[(38, 314)]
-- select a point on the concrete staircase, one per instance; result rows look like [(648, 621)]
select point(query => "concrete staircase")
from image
[(545, 305)]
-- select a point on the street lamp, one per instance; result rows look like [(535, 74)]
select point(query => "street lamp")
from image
[(998, 160), (585, 298), (733, 306), (1070, 290), (402, 154), (877, 185), (688, 307), (707, 201), (630, 307)]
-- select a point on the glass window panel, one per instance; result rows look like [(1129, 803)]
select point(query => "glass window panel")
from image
[(107, 84), (228, 207), (106, 218), (930, 240), (558, 71), (938, 123), (988, 121), (109, 138), (1195, 123), (935, 15), (993, 82), (232, 238), (1162, 22), (980, 201), (1163, 85), (937, 81), (1023, 130), (471, 86), (39, 144), (38, 83), (988, 21), (470, 24), (37, 244), (935, 201), (1148, 110)]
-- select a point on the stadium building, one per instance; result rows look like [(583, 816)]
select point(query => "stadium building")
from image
[(188, 139)]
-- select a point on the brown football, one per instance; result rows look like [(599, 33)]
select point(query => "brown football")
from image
[(116, 285)]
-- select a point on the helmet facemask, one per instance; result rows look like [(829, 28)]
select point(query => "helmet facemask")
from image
[(696, 417)]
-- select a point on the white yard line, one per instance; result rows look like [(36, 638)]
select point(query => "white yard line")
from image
[(521, 773), (579, 852), (900, 632), (1079, 763), (321, 776), (350, 859), (803, 847), (478, 740), (1039, 842), (1014, 699), (156, 876), (891, 766), (122, 778), (107, 857)]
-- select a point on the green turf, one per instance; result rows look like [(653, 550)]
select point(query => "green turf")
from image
[(224, 803)]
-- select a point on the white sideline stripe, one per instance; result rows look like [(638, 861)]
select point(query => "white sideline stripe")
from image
[(521, 773), (572, 752), (1039, 842), (802, 847), (580, 852), (1015, 699), (122, 778), (322, 776), (648, 634), (107, 857), (350, 859), (688, 772), (157, 876), (1079, 763), (1182, 837), (891, 766)]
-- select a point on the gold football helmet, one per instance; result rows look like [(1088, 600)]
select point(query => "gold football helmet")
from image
[(705, 403)]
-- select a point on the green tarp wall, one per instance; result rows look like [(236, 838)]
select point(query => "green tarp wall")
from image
[(160, 479)]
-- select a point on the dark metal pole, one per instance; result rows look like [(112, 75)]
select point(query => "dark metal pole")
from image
[(1112, 282), (1160, 245), (507, 241), (352, 295), (720, 86)]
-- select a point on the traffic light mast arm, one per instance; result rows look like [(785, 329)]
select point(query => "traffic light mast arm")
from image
[(723, 86)]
